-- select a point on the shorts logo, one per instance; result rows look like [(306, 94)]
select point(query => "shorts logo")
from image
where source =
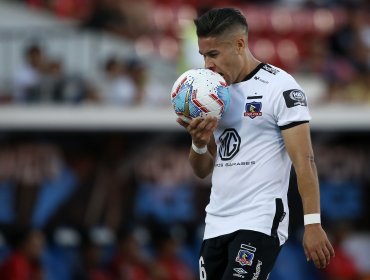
[(239, 270), (253, 109), (245, 255), (294, 97), (229, 144), (258, 271)]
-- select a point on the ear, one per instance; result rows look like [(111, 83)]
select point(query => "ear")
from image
[(241, 44)]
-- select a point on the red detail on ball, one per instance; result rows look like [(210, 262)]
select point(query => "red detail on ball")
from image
[(176, 92)]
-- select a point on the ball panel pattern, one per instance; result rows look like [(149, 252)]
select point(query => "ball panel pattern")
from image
[(200, 92)]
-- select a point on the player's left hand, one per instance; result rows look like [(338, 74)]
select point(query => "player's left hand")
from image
[(317, 246)]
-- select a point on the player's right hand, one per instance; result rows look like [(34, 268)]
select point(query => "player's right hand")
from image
[(201, 129), (182, 122)]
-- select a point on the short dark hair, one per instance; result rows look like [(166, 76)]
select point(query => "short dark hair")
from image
[(216, 21)]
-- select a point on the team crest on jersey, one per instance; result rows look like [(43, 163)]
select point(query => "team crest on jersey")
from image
[(253, 109), (245, 255), (294, 97)]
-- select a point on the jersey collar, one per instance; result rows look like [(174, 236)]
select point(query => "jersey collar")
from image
[(254, 72)]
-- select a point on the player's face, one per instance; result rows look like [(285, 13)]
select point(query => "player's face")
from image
[(221, 55)]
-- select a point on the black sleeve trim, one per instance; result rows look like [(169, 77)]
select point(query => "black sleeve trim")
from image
[(293, 124)]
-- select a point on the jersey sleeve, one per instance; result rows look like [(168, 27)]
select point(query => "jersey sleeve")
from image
[(291, 103)]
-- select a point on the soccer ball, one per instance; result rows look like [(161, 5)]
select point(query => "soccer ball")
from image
[(200, 92)]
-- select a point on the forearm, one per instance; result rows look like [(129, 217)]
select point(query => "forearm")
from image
[(316, 244), (201, 130), (298, 143), (308, 187), (202, 164)]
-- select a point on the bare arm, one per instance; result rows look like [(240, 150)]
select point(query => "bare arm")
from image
[(298, 144), (201, 131), (203, 164)]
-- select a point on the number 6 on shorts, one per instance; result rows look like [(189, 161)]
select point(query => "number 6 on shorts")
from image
[(202, 270)]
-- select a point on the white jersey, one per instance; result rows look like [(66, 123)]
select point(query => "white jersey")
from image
[(251, 174)]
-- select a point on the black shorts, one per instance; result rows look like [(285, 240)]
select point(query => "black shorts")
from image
[(244, 254)]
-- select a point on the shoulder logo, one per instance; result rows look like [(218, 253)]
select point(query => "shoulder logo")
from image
[(261, 80), (253, 109), (294, 97), (270, 69), (230, 144)]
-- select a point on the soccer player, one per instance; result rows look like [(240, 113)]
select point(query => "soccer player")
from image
[(249, 152)]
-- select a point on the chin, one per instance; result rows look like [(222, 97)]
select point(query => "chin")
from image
[(228, 82)]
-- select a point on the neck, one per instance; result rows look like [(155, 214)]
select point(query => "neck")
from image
[(253, 65), (250, 64)]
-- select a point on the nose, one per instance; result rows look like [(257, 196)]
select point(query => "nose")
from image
[(209, 64)]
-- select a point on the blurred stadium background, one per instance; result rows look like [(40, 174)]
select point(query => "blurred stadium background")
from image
[(94, 178)]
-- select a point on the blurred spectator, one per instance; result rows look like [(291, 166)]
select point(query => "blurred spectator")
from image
[(57, 86), (350, 50), (130, 262), (328, 38), (358, 91), (90, 267), (138, 15), (341, 181), (79, 209), (43, 80), (127, 18), (102, 196), (28, 76), (105, 15), (165, 190), (60, 87), (57, 186), (49, 81), (41, 186), (349, 42), (117, 87), (168, 265), (35, 182), (74, 183), (137, 71), (24, 262)]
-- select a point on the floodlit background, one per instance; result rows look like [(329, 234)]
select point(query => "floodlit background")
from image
[(94, 177)]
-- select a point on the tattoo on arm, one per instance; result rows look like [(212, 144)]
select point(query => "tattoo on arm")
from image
[(311, 158)]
